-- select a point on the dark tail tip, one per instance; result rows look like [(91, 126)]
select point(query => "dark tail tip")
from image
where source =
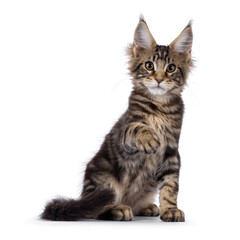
[(61, 210)]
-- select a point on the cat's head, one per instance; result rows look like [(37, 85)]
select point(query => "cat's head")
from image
[(160, 70)]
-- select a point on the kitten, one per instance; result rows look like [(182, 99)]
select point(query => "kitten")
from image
[(140, 155)]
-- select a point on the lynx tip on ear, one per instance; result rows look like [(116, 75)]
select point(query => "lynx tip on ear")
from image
[(141, 18), (190, 23)]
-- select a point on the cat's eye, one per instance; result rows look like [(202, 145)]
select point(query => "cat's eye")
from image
[(149, 66), (171, 68)]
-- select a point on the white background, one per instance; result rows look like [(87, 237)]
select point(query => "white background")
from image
[(63, 84)]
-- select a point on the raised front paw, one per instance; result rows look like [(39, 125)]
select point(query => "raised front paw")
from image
[(172, 215), (117, 213), (148, 142)]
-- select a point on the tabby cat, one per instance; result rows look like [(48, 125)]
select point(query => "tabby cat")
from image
[(139, 157)]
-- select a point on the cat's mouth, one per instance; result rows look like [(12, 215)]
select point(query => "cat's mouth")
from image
[(158, 87)]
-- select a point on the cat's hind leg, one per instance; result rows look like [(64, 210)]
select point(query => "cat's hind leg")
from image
[(151, 210), (117, 213)]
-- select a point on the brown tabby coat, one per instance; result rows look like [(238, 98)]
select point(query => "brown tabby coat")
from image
[(140, 155)]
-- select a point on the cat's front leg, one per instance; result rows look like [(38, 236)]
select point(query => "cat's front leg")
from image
[(139, 137), (169, 211)]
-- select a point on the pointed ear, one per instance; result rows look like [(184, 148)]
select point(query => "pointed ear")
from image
[(183, 43), (143, 39)]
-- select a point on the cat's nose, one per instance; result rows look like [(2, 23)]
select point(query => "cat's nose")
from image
[(159, 80)]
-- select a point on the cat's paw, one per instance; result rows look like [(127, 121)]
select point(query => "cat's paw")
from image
[(117, 213), (172, 215), (150, 210), (148, 142)]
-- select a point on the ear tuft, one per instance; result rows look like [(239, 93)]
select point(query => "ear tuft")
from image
[(141, 18), (190, 23)]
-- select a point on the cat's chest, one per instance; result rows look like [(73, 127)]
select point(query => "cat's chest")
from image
[(163, 125), (168, 129)]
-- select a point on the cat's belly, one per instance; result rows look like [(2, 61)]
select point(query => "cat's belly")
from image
[(138, 187)]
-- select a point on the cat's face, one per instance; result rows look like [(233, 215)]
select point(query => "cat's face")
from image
[(160, 70)]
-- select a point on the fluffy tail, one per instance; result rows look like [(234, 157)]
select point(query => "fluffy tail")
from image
[(89, 206)]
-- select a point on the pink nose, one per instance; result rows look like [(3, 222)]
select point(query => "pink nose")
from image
[(159, 80)]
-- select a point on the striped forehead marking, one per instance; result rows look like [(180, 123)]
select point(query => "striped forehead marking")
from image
[(161, 53)]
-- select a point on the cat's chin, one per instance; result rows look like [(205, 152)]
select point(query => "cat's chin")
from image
[(157, 91)]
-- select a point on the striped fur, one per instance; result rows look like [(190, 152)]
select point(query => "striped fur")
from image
[(140, 155)]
